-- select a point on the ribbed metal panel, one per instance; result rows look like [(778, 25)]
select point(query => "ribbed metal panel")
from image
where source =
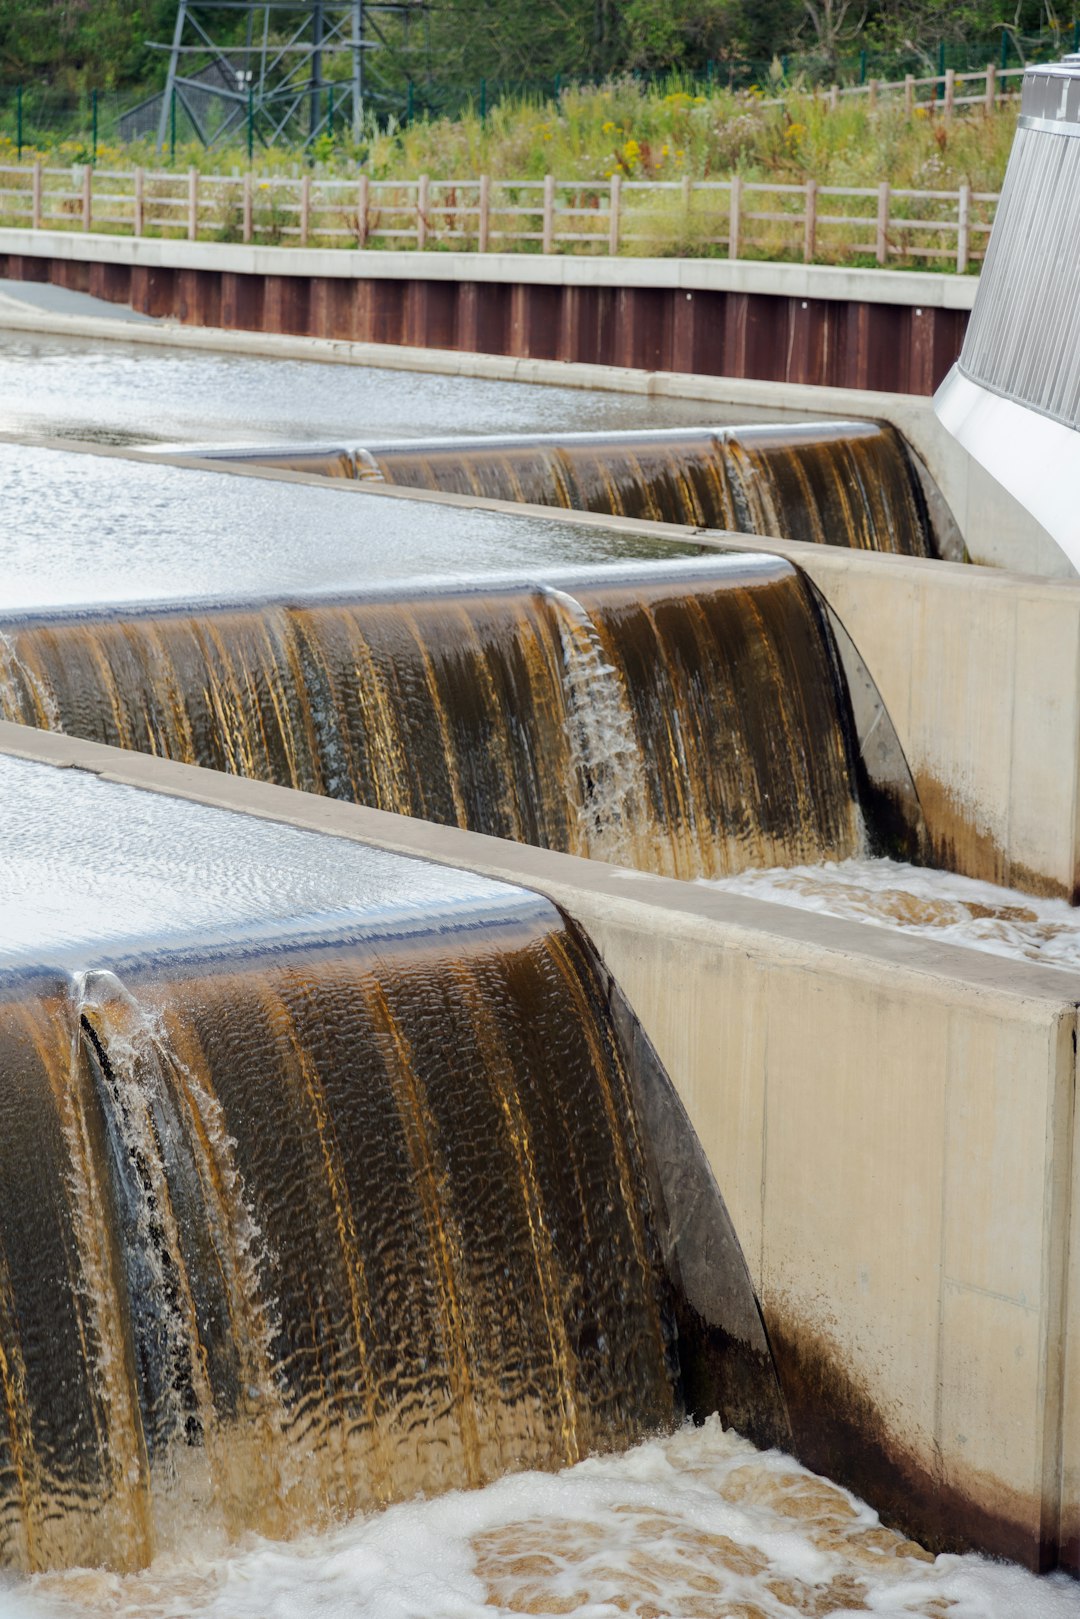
[(1023, 341)]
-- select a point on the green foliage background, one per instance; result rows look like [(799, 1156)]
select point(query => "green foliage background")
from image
[(73, 45)]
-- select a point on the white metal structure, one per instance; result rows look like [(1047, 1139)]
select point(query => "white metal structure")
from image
[(1013, 398)]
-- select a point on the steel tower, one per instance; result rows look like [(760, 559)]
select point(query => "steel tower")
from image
[(275, 74)]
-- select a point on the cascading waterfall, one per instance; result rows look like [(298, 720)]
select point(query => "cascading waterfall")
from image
[(259, 1208), (690, 718), (847, 483), (604, 750), (850, 483)]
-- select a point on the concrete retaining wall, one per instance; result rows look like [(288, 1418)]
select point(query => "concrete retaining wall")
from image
[(789, 323), (892, 1124), (981, 676)]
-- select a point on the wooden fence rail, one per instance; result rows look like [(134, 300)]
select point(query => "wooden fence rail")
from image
[(739, 218), (938, 92)]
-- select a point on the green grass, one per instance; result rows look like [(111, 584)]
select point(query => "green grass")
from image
[(591, 134), (621, 128)]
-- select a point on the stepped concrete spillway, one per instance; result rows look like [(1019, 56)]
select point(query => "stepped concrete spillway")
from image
[(201, 1333), (157, 385), (687, 717), (926, 1327), (892, 1121), (855, 484)]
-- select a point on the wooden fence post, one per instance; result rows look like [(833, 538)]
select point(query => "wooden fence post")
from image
[(548, 242), (733, 216), (963, 228), (362, 207), (950, 91), (138, 210), (421, 213), (991, 88), (834, 97), (883, 222), (484, 226), (810, 222), (305, 209), (87, 196), (35, 199), (193, 204), (909, 95), (616, 205), (873, 93)]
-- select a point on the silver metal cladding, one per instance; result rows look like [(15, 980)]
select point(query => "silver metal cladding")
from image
[(1016, 385)]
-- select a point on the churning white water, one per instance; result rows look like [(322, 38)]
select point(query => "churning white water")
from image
[(916, 899), (698, 1525), (605, 750)]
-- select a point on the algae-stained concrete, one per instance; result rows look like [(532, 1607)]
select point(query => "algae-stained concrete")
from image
[(892, 1123)]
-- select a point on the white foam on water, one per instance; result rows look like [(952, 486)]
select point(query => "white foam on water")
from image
[(695, 1524), (917, 899), (600, 728)]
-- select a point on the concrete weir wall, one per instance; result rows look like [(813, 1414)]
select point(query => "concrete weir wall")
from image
[(996, 528), (881, 329), (980, 673), (893, 1125), (979, 670)]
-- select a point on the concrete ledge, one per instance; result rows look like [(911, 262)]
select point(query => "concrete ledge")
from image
[(892, 1123), (931, 289)]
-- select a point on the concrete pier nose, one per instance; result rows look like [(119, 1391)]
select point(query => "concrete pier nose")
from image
[(1013, 397)]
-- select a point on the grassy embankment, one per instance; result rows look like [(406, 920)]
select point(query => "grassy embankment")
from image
[(589, 135)]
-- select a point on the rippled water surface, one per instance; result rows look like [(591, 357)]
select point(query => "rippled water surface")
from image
[(130, 393), (695, 1526), (935, 904), (88, 863), (85, 529)]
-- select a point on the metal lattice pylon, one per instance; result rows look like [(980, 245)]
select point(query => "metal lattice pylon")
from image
[(272, 81)]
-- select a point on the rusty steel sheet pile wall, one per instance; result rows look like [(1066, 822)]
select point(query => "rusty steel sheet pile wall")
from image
[(836, 340)]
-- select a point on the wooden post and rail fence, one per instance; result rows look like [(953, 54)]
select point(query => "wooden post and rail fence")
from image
[(735, 218)]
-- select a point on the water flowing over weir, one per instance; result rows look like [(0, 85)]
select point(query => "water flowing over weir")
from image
[(306, 1216), (691, 718), (853, 484)]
